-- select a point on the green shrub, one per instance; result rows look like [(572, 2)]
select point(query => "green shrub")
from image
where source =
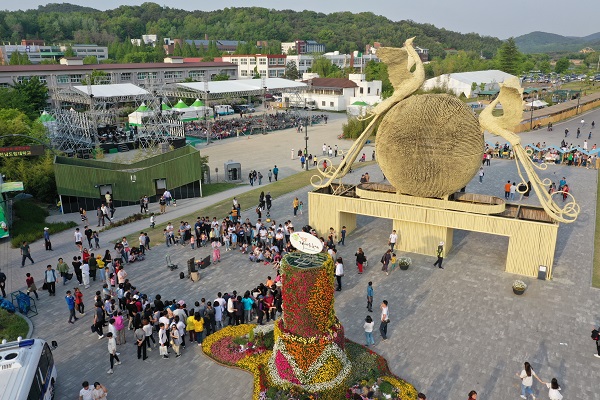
[(12, 326), (30, 221), (355, 127)]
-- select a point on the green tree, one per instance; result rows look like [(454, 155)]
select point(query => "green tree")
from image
[(375, 71), (562, 65), (90, 60), (36, 95), (322, 66), (17, 58), (69, 52), (291, 70), (509, 57), (220, 77)]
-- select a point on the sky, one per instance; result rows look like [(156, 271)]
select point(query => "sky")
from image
[(502, 19)]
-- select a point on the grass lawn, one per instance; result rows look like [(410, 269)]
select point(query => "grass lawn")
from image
[(250, 198), (29, 223), (596, 271), (12, 326), (214, 188)]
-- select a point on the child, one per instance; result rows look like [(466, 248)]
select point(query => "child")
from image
[(31, 288), (233, 240), (393, 261), (300, 206), (225, 239), (96, 239), (192, 242)]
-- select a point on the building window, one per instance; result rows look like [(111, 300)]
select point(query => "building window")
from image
[(253, 61), (272, 73), (272, 61), (263, 73), (331, 104), (243, 61), (196, 75), (234, 61), (361, 90), (244, 73), (126, 76), (262, 61), (168, 74), (177, 74), (323, 103), (76, 78), (4, 85), (43, 78), (142, 75), (301, 62), (63, 79), (368, 90), (281, 61)]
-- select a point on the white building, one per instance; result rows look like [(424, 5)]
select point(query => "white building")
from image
[(37, 51), (461, 83), (304, 62), (337, 94), (266, 65)]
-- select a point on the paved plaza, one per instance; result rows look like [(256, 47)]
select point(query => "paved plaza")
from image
[(451, 330)]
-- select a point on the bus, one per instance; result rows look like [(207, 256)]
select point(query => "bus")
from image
[(27, 370)]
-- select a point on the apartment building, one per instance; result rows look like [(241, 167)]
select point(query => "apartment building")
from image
[(266, 65), (141, 74), (37, 51)]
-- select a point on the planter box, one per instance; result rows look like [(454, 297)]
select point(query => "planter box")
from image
[(518, 292), (404, 267)]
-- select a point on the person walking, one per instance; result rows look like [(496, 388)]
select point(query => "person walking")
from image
[(63, 269), (275, 172), (513, 190), (78, 239), (86, 392), (79, 301), (481, 174), (527, 381), (342, 240), (112, 352), (440, 256), (596, 338), (339, 272), (553, 390), (71, 305), (385, 260), (270, 175), (31, 287), (295, 205), (25, 253), (392, 240), (360, 259), (3, 283), (50, 279), (368, 327), (47, 241), (385, 319), (100, 392), (370, 296), (507, 190)]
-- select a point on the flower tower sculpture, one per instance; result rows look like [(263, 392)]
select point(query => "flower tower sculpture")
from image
[(309, 339)]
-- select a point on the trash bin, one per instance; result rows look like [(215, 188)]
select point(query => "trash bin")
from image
[(542, 272)]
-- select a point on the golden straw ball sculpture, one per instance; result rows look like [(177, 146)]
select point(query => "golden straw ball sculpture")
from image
[(429, 145)]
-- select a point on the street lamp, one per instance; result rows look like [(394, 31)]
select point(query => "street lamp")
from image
[(265, 109), (531, 118), (306, 138), (207, 116)]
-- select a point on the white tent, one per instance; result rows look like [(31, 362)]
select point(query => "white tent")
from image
[(462, 82), (113, 90), (136, 117), (243, 86), (536, 104)]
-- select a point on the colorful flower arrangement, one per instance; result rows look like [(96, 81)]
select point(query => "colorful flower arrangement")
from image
[(305, 355)]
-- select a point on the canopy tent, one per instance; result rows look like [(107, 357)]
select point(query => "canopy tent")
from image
[(115, 90), (194, 112), (136, 117), (180, 106), (360, 104), (46, 118), (536, 104), (244, 87), (165, 107), (198, 103)]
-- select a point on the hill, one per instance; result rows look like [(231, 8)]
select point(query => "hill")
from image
[(543, 42), (343, 31)]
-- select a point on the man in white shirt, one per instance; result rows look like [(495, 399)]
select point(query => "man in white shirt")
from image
[(385, 319), (78, 239), (393, 239), (339, 272), (86, 392)]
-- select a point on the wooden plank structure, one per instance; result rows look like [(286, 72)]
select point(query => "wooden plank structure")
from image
[(421, 223)]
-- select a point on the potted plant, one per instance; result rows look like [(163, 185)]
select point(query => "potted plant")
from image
[(404, 263), (386, 389), (519, 287), (242, 341)]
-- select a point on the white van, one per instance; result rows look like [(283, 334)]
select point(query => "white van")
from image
[(224, 109)]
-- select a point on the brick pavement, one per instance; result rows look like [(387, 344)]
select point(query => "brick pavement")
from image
[(452, 331)]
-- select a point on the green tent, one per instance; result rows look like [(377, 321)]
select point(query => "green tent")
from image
[(143, 108), (180, 105), (197, 103), (360, 103), (45, 117), (165, 107)]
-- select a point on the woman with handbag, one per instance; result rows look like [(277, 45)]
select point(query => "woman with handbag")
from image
[(31, 288), (175, 340)]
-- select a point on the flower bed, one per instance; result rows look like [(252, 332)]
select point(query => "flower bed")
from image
[(368, 370)]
